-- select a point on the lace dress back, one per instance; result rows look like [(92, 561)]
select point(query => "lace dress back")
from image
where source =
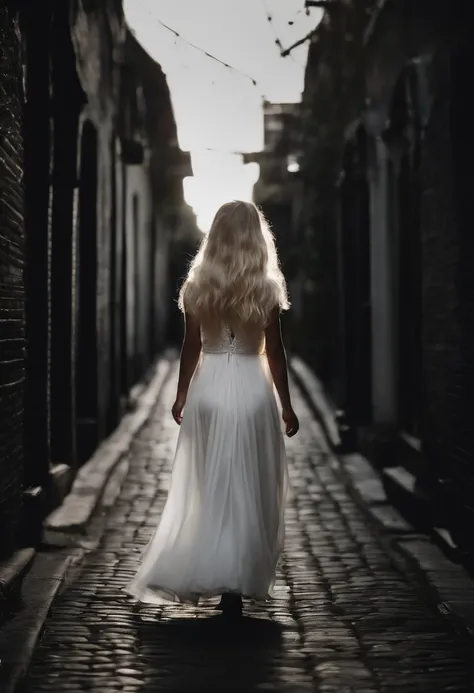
[(243, 341)]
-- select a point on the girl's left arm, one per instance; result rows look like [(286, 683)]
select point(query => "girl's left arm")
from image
[(190, 352)]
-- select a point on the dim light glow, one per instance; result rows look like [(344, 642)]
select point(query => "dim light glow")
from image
[(218, 178), (293, 166), (219, 111)]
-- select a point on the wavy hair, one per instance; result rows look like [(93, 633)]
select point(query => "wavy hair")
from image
[(235, 276)]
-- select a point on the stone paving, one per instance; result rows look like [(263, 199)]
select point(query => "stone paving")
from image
[(345, 620)]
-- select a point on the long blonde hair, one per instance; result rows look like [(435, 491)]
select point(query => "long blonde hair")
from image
[(235, 276)]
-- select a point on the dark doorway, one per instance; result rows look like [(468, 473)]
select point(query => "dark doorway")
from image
[(152, 337), (404, 141), (67, 102), (86, 370), (113, 406), (138, 324), (354, 248), (124, 298)]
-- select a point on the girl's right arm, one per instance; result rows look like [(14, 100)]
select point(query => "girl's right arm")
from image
[(190, 353), (278, 367)]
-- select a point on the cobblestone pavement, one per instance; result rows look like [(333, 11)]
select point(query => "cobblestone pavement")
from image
[(345, 619)]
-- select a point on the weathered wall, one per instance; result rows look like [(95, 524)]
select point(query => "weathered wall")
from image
[(12, 292), (440, 44), (98, 34), (85, 243), (420, 145), (334, 95), (440, 253), (448, 288), (139, 219), (172, 228), (162, 300), (36, 29)]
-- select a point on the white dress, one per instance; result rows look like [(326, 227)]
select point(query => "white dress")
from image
[(222, 527)]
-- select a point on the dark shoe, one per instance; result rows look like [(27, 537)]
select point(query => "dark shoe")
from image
[(223, 601), (231, 605)]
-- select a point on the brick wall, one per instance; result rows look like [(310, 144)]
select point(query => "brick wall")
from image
[(12, 295), (448, 290)]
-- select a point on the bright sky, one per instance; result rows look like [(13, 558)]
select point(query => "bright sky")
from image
[(219, 111)]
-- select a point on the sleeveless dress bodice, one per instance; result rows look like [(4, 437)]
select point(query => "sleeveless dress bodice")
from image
[(245, 342)]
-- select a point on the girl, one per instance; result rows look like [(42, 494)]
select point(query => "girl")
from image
[(222, 528)]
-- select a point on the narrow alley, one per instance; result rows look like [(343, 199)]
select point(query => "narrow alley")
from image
[(345, 619), (337, 138)]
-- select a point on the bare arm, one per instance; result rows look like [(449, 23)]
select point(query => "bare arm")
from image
[(277, 362), (190, 352)]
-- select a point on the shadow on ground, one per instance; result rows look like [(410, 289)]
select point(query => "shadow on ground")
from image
[(210, 654)]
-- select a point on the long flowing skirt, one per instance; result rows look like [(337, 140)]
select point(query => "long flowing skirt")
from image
[(222, 527)]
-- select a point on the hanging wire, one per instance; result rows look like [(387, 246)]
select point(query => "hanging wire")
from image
[(212, 57), (277, 39), (309, 36), (201, 50), (270, 23), (285, 52)]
